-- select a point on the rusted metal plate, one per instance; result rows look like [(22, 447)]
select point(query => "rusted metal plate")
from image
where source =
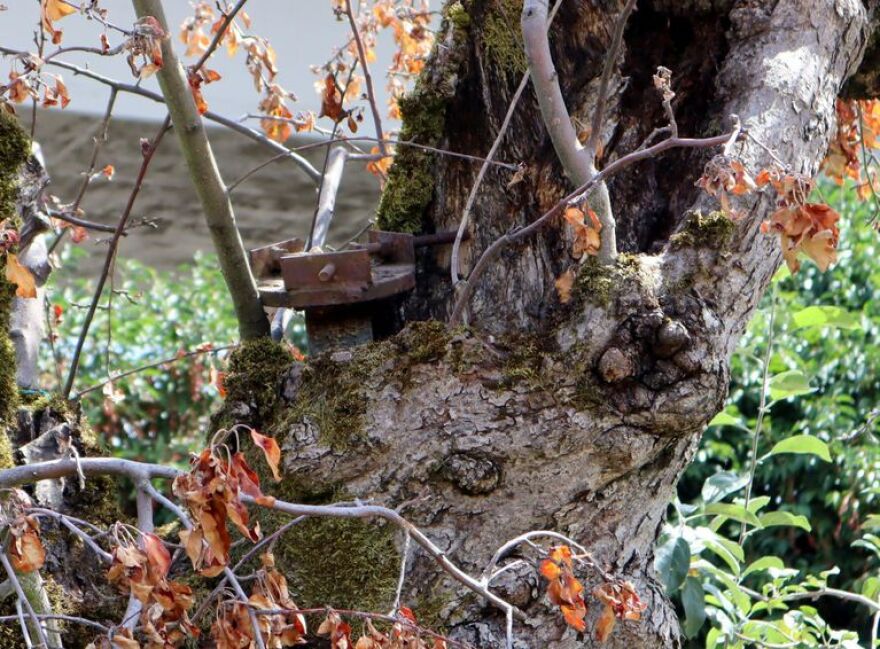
[(349, 269), (266, 260), (385, 280)]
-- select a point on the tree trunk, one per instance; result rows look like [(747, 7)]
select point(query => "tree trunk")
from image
[(575, 417)]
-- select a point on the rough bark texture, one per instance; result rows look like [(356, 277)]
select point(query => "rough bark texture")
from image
[(577, 417)]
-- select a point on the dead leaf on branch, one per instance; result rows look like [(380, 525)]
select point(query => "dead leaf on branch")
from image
[(212, 492), (331, 100), (26, 551), (587, 240), (21, 277)]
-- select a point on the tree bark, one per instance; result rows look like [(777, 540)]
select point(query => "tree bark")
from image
[(575, 417)]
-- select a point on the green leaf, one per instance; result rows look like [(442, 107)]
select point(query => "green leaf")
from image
[(825, 316), (774, 519), (736, 512), (764, 563), (756, 504), (722, 484), (693, 601), (871, 588), (871, 522), (803, 444), (781, 274), (725, 419), (789, 384), (672, 562)]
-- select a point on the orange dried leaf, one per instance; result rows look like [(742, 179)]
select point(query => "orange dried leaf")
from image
[(331, 100), (56, 9), (550, 570), (271, 451), (26, 285), (574, 616), (605, 623), (157, 554), (564, 284)]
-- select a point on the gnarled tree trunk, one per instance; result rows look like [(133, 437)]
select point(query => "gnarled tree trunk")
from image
[(577, 417)]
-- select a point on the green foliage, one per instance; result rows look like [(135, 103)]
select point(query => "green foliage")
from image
[(817, 468), (160, 414)]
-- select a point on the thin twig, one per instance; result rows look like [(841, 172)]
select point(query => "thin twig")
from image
[(455, 262), (111, 253), (607, 71), (219, 35), (150, 366), (231, 124), (23, 600), (138, 472), (762, 409), (401, 578), (368, 79), (80, 534)]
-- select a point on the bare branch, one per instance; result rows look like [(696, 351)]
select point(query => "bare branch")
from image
[(368, 79), (219, 34), (607, 71), (327, 198), (579, 163), (25, 602), (111, 253), (231, 124), (149, 366), (455, 262), (138, 472), (574, 158)]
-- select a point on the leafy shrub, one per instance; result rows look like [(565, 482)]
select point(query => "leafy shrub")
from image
[(817, 474), (159, 414)]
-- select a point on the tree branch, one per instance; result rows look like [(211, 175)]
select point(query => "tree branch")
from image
[(231, 124), (578, 162), (368, 79), (607, 71), (111, 253), (217, 208), (139, 472)]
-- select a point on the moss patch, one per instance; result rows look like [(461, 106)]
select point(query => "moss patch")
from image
[(14, 150), (331, 393), (458, 16), (597, 283), (410, 186), (256, 368), (358, 563), (502, 35), (711, 231)]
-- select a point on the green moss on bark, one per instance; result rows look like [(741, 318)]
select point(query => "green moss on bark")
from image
[(332, 393), (502, 36), (710, 231), (256, 368), (14, 150), (597, 283), (411, 180)]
